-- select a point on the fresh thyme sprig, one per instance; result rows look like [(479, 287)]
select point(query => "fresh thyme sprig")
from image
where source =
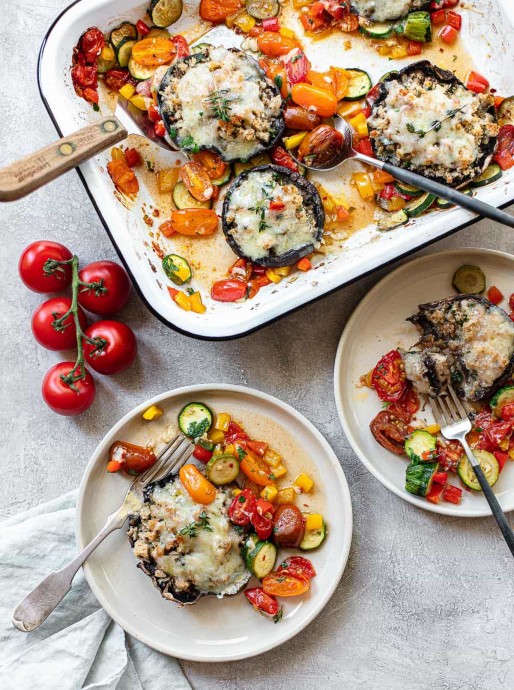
[(220, 104), (191, 530), (260, 207), (435, 125)]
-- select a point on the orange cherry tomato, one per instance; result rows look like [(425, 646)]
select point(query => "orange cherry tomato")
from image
[(194, 221), (297, 117), (123, 177), (197, 181), (274, 44), (323, 80), (340, 81), (277, 73), (285, 583), (255, 469), (197, 486), (216, 11), (321, 101), (211, 162), (151, 52)]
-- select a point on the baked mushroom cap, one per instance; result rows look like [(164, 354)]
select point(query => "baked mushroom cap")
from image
[(386, 10)]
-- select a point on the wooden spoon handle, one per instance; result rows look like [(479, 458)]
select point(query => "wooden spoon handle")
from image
[(37, 169)]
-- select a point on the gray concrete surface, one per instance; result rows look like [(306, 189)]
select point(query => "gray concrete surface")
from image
[(426, 602)]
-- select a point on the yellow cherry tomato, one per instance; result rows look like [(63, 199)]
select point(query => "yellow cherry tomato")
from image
[(197, 486), (320, 101)]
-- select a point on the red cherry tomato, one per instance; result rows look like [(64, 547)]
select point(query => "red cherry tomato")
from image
[(388, 378), (119, 351), (298, 564), (91, 43), (297, 67), (202, 454), (511, 302), (262, 602), (263, 525), (32, 261), (242, 507), (408, 404), (281, 157), (45, 333), (234, 433), (229, 290), (113, 293), (60, 397), (181, 46)]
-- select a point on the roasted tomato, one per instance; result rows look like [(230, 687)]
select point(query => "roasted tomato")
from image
[(274, 44), (114, 79), (284, 583), (320, 101), (390, 430), (91, 43), (83, 76), (242, 508), (298, 564), (229, 290), (288, 526), (504, 155), (388, 378), (211, 162), (321, 146), (197, 486), (448, 454), (297, 67), (235, 433), (299, 118), (194, 221), (181, 46), (152, 52), (277, 73), (280, 156), (123, 177), (407, 405), (216, 11), (197, 181), (255, 469), (263, 603), (129, 458)]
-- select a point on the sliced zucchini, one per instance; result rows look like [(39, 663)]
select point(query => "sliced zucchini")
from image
[(177, 269), (492, 173), (183, 199), (487, 462), (124, 51), (418, 27), (155, 32), (443, 203), (420, 446), (261, 159), (260, 561), (419, 477), (200, 47), (222, 469), (164, 13), (389, 221), (262, 9), (505, 396), (195, 419), (396, 203), (125, 30), (506, 112), (469, 280), (360, 84), (378, 30), (222, 179), (408, 189), (104, 66), (140, 72), (313, 538), (419, 205)]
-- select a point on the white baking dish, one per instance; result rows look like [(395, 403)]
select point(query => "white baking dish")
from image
[(488, 35)]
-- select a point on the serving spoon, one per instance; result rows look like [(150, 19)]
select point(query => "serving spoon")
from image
[(347, 152)]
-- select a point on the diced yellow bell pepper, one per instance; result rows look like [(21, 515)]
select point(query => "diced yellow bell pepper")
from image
[(107, 53), (127, 91), (222, 421), (364, 185), (398, 52), (294, 140), (350, 109), (117, 154), (196, 303), (286, 495), (153, 412), (283, 270), (433, 429), (167, 179), (384, 49), (360, 124), (237, 492), (272, 458), (287, 32), (245, 22), (304, 482), (504, 444), (183, 301), (273, 275), (230, 449), (139, 102), (216, 436), (313, 521), (269, 493), (278, 471)]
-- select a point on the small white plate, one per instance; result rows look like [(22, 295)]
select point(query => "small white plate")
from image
[(377, 326), (213, 629)]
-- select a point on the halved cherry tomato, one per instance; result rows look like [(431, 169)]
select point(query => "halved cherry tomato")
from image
[(273, 44), (241, 269), (211, 162), (235, 433), (196, 180), (448, 34), (202, 454), (298, 564), (494, 295), (271, 24), (255, 469), (390, 430), (299, 118), (194, 221), (321, 101), (263, 525), (279, 156), (91, 43), (408, 403), (277, 73), (323, 80), (312, 21), (114, 79), (83, 76), (320, 146), (216, 11), (197, 486), (242, 508), (262, 602), (288, 526), (285, 583), (297, 67), (501, 458), (476, 82), (181, 46), (130, 458), (340, 81), (142, 28), (153, 114), (229, 290), (132, 157), (152, 52), (388, 378), (123, 177), (504, 155)]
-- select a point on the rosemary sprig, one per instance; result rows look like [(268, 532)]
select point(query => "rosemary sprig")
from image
[(435, 125), (220, 104)]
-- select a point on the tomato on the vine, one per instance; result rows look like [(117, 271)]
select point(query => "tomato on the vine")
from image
[(62, 337), (111, 291), (63, 399), (116, 353), (32, 262)]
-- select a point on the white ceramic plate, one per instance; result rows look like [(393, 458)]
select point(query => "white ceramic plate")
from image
[(377, 326), (213, 629), (487, 35)]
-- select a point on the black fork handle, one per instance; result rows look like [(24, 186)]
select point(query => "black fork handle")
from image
[(498, 513)]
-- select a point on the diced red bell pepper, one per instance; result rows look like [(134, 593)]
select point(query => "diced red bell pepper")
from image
[(271, 24), (501, 458), (202, 454), (438, 17), (441, 478), (452, 493), (173, 292), (297, 67), (414, 48), (364, 146), (142, 28), (435, 493), (276, 205), (90, 94), (133, 157), (304, 264), (448, 34), (114, 466), (494, 295), (366, 111), (505, 159), (159, 129), (153, 114), (454, 19), (388, 192)]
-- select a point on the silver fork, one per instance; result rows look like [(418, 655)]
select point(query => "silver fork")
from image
[(39, 604), (453, 419)]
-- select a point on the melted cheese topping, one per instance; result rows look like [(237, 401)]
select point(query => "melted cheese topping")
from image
[(260, 231), (385, 10)]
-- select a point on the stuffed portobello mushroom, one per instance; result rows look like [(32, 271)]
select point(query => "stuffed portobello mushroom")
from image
[(386, 10), (189, 550), (272, 216), (426, 120), (220, 99)]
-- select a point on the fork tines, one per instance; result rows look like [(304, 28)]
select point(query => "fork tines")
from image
[(172, 456), (448, 409)]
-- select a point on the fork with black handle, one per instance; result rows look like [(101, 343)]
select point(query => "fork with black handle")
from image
[(451, 416), (39, 604)]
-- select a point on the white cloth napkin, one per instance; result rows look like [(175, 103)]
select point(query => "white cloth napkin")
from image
[(78, 646)]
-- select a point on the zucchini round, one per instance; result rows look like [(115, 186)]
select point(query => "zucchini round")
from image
[(313, 538), (492, 173), (359, 85), (155, 32), (124, 51), (420, 446), (183, 199), (223, 179), (378, 30), (487, 462), (164, 13), (195, 419), (177, 269), (262, 159), (390, 221), (222, 469), (469, 280), (125, 30), (506, 112), (419, 205), (140, 72), (262, 9), (260, 561), (408, 189), (505, 396), (419, 477)]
